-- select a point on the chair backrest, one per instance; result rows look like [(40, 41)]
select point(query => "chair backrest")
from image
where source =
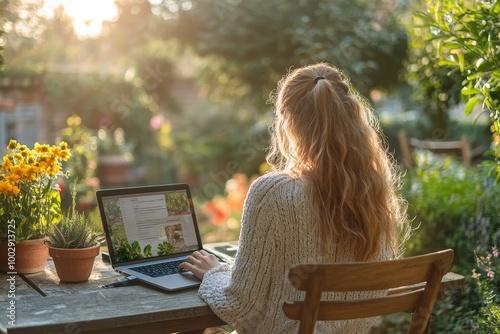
[(369, 276), (459, 148)]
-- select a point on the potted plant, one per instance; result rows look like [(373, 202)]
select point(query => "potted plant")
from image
[(115, 157), (73, 245), (29, 204)]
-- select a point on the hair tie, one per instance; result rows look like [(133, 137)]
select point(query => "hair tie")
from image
[(318, 79)]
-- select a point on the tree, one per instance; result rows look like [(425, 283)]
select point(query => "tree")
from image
[(23, 25), (251, 44), (433, 86), (465, 39)]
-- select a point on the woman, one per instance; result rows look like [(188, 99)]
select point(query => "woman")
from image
[(330, 197)]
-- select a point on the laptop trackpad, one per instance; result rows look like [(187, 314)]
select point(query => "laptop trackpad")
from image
[(189, 276), (177, 281)]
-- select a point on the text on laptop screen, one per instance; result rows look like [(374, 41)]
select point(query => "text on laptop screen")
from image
[(150, 224)]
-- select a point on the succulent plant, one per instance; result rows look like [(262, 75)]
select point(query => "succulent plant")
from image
[(73, 231)]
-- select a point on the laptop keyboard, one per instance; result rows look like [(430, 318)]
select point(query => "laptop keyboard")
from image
[(159, 269)]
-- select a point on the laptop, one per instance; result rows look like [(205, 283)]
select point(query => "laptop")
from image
[(150, 230)]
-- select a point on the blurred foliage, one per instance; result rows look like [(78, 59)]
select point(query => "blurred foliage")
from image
[(21, 21), (255, 42), (215, 142), (124, 78), (220, 216), (464, 40), (104, 82), (486, 278), (81, 165), (453, 207), (456, 208), (435, 89), (104, 102)]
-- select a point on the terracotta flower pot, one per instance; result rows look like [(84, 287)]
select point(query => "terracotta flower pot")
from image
[(74, 265), (113, 169), (28, 256)]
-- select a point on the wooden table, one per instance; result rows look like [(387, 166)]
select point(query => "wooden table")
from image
[(73, 308), (44, 305)]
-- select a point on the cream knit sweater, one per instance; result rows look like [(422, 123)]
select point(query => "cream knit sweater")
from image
[(276, 233)]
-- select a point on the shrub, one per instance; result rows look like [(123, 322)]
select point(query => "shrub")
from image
[(486, 277), (452, 207), (457, 208)]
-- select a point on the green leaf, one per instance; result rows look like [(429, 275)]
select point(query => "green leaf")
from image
[(447, 63), (469, 106), (473, 76), (479, 62), (452, 45), (461, 62), (469, 90)]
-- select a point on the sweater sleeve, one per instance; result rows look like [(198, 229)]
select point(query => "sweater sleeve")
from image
[(239, 294)]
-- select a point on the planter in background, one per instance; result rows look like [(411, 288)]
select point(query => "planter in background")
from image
[(113, 169), (74, 264)]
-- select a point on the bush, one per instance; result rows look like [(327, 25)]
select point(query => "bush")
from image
[(485, 275), (453, 207), (457, 208)]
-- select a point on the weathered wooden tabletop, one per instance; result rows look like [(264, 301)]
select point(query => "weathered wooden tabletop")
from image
[(42, 304), (50, 306)]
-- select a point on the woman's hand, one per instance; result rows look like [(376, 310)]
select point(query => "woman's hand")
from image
[(199, 263)]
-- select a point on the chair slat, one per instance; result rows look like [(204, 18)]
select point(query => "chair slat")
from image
[(344, 310), (352, 276)]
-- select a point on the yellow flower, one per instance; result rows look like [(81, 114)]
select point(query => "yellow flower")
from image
[(18, 157), (8, 189), (13, 178), (12, 144), (62, 152), (42, 148), (496, 138), (63, 145), (26, 181), (7, 164), (31, 173)]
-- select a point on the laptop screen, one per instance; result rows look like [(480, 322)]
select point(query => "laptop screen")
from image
[(148, 222)]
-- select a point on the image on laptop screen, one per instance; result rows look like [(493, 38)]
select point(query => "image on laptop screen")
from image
[(150, 224)]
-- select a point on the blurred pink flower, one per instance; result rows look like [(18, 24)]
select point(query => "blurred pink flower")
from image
[(495, 251), (156, 122), (93, 182), (490, 273)]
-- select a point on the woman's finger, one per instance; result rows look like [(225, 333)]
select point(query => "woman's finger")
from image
[(186, 266)]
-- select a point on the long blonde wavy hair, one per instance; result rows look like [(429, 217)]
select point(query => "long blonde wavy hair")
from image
[(327, 135)]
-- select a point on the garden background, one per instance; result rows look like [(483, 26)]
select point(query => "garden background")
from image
[(177, 90)]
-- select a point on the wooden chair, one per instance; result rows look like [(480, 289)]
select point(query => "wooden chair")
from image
[(460, 148), (369, 276)]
